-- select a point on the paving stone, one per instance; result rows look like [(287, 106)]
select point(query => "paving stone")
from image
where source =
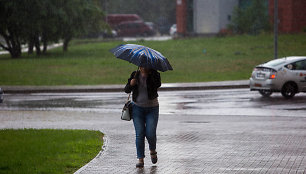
[(223, 144)]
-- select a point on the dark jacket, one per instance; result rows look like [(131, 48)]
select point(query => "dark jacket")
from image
[(153, 83)]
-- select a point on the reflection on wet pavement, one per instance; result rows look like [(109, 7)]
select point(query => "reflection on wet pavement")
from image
[(221, 131), (208, 102)]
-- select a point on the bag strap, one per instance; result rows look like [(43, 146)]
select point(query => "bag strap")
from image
[(129, 97), (130, 92)]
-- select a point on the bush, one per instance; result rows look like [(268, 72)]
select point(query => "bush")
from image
[(252, 19)]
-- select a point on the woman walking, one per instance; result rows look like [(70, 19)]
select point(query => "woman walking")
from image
[(144, 84)]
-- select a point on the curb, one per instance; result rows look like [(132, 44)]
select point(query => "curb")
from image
[(101, 152), (119, 88)]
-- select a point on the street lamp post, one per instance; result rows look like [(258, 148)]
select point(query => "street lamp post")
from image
[(275, 29)]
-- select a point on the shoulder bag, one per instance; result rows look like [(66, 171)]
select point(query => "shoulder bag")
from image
[(127, 110)]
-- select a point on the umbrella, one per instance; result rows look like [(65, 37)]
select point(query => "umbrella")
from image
[(142, 56)]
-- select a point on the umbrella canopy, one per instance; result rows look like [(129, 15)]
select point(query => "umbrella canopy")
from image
[(142, 56)]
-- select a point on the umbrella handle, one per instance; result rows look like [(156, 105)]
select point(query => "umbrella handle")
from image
[(136, 71)]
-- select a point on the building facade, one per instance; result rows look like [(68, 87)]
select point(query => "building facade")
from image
[(204, 16), (211, 16)]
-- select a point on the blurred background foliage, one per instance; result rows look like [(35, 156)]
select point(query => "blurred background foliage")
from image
[(251, 19), (36, 22)]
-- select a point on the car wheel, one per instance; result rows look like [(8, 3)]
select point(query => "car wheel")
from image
[(289, 90), (265, 93)]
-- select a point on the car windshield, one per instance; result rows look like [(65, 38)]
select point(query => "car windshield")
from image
[(275, 62)]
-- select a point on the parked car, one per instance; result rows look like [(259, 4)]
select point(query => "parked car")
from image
[(134, 28), (108, 34), (286, 75), (173, 30), (164, 29), (151, 25), (115, 19), (1, 95)]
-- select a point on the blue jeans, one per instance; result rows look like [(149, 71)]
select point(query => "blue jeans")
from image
[(145, 122)]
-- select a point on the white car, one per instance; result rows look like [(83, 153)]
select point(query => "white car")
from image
[(286, 75), (173, 30)]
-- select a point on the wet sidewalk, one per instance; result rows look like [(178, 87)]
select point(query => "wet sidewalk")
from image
[(117, 88), (25, 49), (186, 143)]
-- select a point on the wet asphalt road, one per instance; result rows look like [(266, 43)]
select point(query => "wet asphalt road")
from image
[(211, 131), (208, 102)]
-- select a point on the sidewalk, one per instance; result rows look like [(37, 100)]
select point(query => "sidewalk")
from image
[(186, 144), (207, 132), (25, 49), (117, 88)]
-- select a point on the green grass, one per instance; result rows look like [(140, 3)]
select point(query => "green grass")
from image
[(89, 63), (47, 150)]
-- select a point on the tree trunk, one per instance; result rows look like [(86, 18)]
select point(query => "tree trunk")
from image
[(15, 53), (37, 46), (30, 46), (13, 45), (65, 44), (44, 41), (45, 44), (15, 48)]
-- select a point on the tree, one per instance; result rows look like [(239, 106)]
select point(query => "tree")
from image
[(251, 19), (79, 17), (11, 26), (51, 14), (160, 12), (35, 22), (33, 10)]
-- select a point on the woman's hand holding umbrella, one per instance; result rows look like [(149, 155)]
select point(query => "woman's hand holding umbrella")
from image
[(133, 82)]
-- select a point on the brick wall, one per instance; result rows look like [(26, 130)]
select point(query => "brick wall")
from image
[(299, 13), (181, 16), (291, 14)]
